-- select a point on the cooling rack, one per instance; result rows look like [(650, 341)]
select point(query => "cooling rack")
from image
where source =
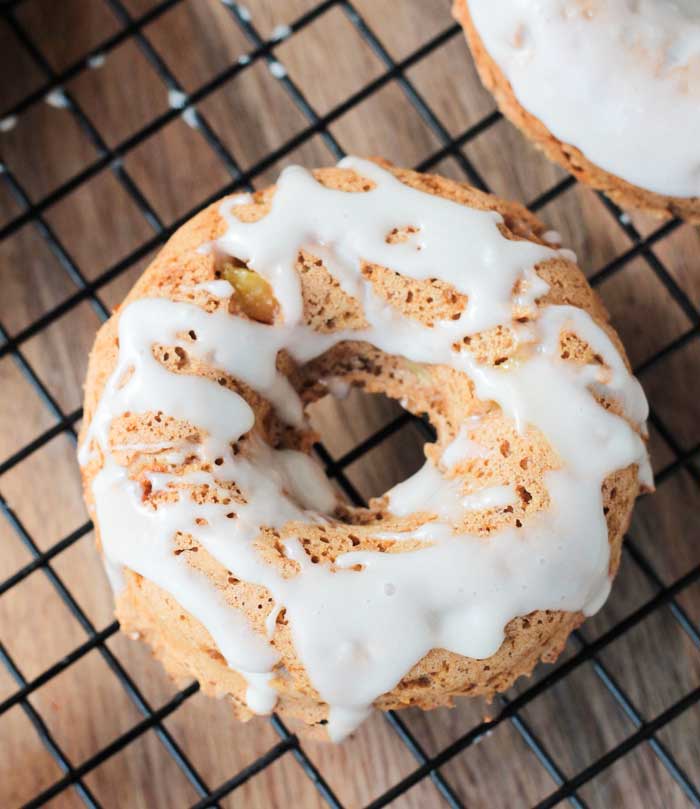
[(660, 560)]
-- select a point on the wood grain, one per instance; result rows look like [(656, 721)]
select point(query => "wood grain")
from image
[(86, 707)]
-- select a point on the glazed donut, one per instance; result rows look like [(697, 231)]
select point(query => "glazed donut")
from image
[(608, 89), (229, 551)]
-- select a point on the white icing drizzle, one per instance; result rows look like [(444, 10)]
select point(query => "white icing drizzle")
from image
[(278, 70), (427, 491), (219, 289), (280, 32), (600, 72), (57, 98), (358, 632), (177, 99), (96, 61), (8, 123), (190, 117)]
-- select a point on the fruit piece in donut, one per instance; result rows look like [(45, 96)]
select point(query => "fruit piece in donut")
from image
[(608, 89), (231, 554)]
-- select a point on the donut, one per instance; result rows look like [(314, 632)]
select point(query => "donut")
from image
[(608, 89), (229, 551)]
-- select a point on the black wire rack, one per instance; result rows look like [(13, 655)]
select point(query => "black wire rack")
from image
[(645, 729)]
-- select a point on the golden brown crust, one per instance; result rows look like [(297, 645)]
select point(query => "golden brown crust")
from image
[(572, 159), (180, 641)]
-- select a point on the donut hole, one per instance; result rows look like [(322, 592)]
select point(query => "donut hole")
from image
[(357, 397), (360, 401), (376, 443)]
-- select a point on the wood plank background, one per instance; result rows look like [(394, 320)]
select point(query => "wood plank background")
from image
[(85, 707)]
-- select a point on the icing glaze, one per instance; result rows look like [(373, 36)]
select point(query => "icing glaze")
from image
[(177, 99), (8, 123), (190, 117), (360, 627), (57, 98), (280, 32), (278, 70), (635, 64), (96, 61)]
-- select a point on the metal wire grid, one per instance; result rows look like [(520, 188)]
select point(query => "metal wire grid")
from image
[(11, 344)]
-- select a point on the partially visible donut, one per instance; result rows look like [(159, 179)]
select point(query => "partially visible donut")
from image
[(608, 89), (229, 552)]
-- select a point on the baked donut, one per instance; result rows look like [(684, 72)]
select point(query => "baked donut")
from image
[(229, 551), (609, 89)]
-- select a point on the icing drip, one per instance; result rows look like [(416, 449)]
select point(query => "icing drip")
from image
[(637, 64), (358, 632)]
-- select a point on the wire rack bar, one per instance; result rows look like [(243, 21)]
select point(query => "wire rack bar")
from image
[(114, 664), (543, 757), (118, 152), (632, 713), (43, 558), (28, 688), (94, 137), (605, 761), (76, 68), (307, 764), (114, 747), (66, 261), (45, 735), (247, 773)]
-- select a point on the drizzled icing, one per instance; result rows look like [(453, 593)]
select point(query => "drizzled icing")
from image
[(620, 80), (359, 631)]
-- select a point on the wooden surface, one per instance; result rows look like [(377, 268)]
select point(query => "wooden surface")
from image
[(85, 707)]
